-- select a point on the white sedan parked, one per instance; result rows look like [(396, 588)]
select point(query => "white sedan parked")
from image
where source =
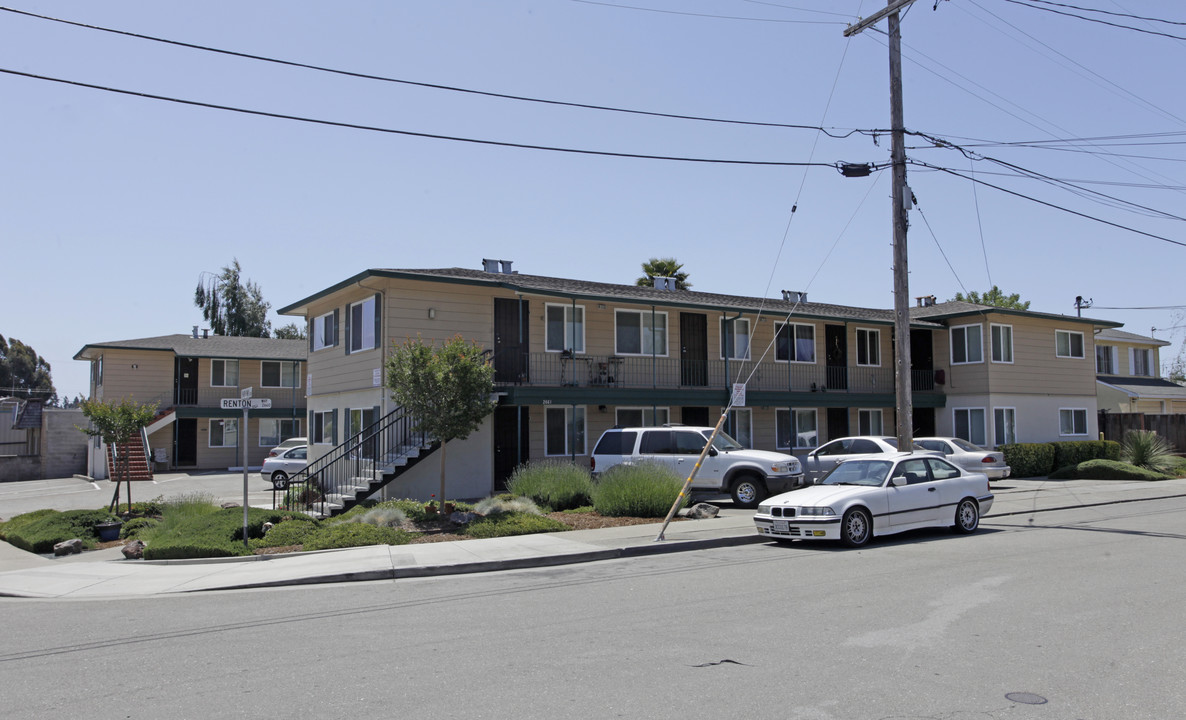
[(862, 498), (288, 463), (972, 458)]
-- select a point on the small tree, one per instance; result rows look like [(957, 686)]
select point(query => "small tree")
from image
[(446, 390), (995, 297), (663, 267), (233, 306), (291, 331), (117, 423)]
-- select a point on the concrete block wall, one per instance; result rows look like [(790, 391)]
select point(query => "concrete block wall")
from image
[(63, 445)]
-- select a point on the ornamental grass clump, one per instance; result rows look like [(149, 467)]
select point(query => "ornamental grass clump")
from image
[(643, 489), (554, 484), (1147, 449), (500, 504)]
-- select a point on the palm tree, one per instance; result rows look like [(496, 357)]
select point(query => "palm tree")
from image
[(663, 267)]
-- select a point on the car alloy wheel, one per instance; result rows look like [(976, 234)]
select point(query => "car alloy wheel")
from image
[(280, 480), (747, 492), (967, 516), (856, 527)]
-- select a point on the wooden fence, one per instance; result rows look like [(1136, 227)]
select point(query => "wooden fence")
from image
[(1170, 427)]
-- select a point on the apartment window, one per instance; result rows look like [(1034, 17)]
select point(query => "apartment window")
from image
[(1140, 361), (1072, 421), (565, 328), (362, 325), (224, 373), (1004, 426), (273, 431), (741, 426), (735, 338), (1068, 344), (639, 332), (1105, 360), (642, 417), (279, 374), (224, 433), (966, 345), (795, 429), (869, 422), (564, 431), (97, 370), (795, 343), (868, 347), (324, 427), (324, 332), (1002, 343), (969, 425)]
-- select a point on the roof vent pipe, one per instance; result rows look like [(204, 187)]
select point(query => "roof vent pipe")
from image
[(506, 267), (490, 266), (195, 332), (205, 333)]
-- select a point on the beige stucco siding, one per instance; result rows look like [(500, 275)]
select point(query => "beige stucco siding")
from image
[(145, 376)]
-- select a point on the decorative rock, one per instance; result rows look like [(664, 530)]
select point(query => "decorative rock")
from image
[(703, 511), (229, 505), (134, 550), (268, 526), (68, 547)]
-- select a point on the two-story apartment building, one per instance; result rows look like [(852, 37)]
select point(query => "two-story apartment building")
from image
[(1128, 375), (573, 358), (187, 376)]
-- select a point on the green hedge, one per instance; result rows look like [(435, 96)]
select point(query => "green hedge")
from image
[(40, 530), (1105, 470), (350, 534), (1079, 451), (1041, 459), (216, 533), (512, 523)]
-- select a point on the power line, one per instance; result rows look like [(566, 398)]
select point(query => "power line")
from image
[(1108, 12), (1096, 20), (410, 133), (435, 86)]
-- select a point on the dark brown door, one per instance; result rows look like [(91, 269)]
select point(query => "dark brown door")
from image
[(186, 454), (837, 423), (922, 360), (185, 381), (836, 339), (693, 349), (510, 340), (511, 445)]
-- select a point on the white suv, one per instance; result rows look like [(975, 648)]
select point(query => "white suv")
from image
[(749, 476)]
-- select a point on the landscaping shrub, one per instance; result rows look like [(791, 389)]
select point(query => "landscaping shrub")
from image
[(388, 516), (1105, 470), (559, 485), (289, 532), (190, 530), (1073, 452), (506, 504), (511, 523), (1147, 449), (352, 534), (132, 528), (641, 490), (1029, 459), (40, 530)]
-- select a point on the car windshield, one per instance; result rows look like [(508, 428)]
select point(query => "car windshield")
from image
[(723, 441), (858, 472), (966, 446)]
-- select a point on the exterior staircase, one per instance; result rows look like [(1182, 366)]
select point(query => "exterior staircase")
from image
[(359, 467), (136, 451)]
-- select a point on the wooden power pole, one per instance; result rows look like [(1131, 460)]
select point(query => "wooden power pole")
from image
[(901, 205)]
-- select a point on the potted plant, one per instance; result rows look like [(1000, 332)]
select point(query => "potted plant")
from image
[(108, 531)]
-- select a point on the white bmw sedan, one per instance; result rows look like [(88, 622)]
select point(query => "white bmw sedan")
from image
[(861, 498)]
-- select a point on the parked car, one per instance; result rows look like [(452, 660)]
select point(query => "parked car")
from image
[(290, 462), (826, 456), (972, 458), (862, 498), (747, 475), (287, 444)]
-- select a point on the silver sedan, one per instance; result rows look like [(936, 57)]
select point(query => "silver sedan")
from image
[(972, 458)]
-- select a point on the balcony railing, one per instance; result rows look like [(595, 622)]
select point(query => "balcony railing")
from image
[(619, 371)]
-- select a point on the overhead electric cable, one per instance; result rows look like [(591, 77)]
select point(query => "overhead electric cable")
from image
[(410, 133), (435, 86), (1095, 20), (1109, 12)]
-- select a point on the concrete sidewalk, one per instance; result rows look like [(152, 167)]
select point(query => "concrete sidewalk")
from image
[(105, 574)]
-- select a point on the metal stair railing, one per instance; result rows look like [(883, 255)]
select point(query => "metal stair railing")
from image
[(356, 468)]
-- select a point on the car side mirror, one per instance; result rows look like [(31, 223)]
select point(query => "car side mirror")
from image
[(898, 480), (712, 451)]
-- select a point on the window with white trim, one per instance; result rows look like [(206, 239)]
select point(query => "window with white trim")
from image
[(1068, 344), (1004, 425), (224, 433), (969, 425), (360, 325), (642, 417), (564, 431), (1002, 343), (741, 426), (273, 431), (279, 374), (1106, 360), (967, 344), (868, 347), (224, 373), (1140, 361), (640, 332), (735, 338), (324, 332), (324, 432), (564, 328), (795, 429), (869, 422), (1072, 421), (794, 342)]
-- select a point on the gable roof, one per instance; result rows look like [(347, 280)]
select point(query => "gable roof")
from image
[(1115, 335), (215, 346), (1144, 387), (570, 289), (953, 309)]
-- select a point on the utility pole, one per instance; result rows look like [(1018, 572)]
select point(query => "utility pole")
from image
[(901, 204)]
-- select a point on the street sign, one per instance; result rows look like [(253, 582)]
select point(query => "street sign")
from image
[(245, 393), (241, 404)]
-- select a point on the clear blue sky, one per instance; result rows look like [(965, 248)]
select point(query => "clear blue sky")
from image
[(112, 205)]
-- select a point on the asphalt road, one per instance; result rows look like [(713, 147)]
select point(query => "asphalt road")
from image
[(1067, 614)]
